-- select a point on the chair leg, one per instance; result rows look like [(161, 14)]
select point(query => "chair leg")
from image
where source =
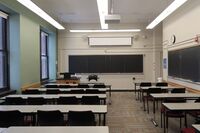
[(185, 120), (147, 106), (161, 119), (180, 122), (166, 121)]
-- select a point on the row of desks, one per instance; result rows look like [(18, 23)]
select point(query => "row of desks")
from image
[(32, 109), (53, 97), (56, 129)]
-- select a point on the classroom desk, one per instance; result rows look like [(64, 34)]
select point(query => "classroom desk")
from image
[(32, 109), (197, 127), (162, 96), (91, 84), (181, 107), (144, 90), (56, 96), (58, 129), (2, 129)]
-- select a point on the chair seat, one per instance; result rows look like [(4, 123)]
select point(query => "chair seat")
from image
[(188, 130), (194, 113)]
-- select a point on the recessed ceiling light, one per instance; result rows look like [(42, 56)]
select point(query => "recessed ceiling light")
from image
[(103, 11), (170, 9), (34, 8), (122, 30)]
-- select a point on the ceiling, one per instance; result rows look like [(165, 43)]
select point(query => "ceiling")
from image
[(86, 11)]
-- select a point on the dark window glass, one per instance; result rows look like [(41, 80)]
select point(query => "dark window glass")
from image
[(44, 56), (3, 55)]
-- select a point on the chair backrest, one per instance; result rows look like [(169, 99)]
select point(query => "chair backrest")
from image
[(92, 91), (144, 84), (162, 84), (15, 101), (92, 77), (51, 86), (81, 118), (50, 118), (99, 86), (83, 86), (197, 100), (11, 118), (52, 91), (80, 91), (67, 100), (154, 90), (36, 101), (64, 86), (31, 91), (178, 90), (90, 100)]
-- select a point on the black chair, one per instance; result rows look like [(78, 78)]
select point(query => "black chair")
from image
[(93, 91), (51, 86), (50, 118), (36, 101), (68, 100), (15, 101), (178, 90), (148, 97), (90, 100), (64, 86), (99, 86), (93, 77), (11, 118), (52, 91), (80, 91), (140, 92), (83, 86), (31, 91), (173, 114), (162, 84), (81, 118)]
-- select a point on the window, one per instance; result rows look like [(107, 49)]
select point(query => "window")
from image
[(3, 54), (44, 56)]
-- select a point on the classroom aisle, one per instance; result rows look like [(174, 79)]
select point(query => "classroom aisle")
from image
[(126, 115)]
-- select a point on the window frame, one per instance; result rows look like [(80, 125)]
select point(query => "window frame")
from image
[(4, 50), (47, 55)]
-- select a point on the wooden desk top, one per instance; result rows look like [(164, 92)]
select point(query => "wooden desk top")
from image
[(175, 95), (53, 96), (58, 129), (62, 108), (196, 126), (182, 106)]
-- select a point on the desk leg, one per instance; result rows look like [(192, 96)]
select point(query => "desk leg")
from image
[(104, 119), (99, 119), (110, 95), (154, 113), (143, 100), (164, 121)]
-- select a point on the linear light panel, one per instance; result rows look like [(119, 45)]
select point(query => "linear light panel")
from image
[(123, 30), (34, 8), (170, 9), (103, 11)]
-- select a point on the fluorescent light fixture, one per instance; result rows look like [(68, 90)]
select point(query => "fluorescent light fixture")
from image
[(103, 11), (170, 9), (34, 8), (97, 31)]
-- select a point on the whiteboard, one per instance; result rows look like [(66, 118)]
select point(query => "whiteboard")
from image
[(107, 41)]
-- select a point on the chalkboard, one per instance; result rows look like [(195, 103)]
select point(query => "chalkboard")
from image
[(185, 63), (106, 63)]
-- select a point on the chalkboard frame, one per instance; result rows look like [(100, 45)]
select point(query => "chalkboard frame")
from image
[(110, 66), (185, 64)]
